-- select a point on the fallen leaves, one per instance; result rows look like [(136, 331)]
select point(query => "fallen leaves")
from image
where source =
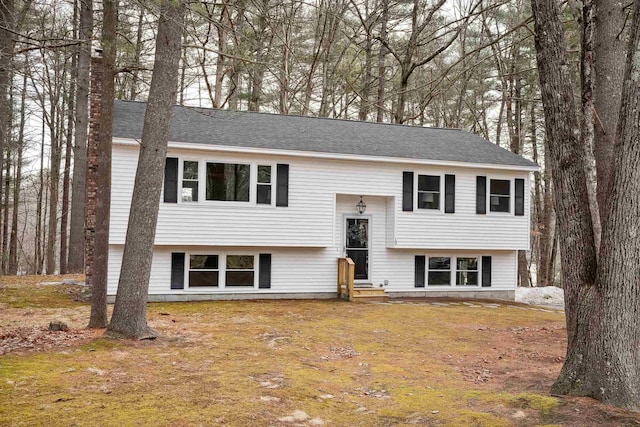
[(32, 338)]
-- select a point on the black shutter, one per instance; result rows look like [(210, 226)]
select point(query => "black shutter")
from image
[(282, 190), (177, 270), (486, 271), (171, 180), (519, 197), (264, 275), (449, 193), (481, 194), (420, 270), (407, 191)]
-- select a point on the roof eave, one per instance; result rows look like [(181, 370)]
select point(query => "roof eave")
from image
[(333, 156)]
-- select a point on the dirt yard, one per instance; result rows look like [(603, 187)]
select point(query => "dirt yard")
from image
[(286, 363)]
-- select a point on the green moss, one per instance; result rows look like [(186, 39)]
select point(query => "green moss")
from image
[(30, 296), (545, 404)]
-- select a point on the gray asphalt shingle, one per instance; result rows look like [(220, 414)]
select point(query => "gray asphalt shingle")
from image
[(320, 135)]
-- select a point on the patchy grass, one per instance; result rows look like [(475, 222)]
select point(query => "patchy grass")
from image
[(293, 363)]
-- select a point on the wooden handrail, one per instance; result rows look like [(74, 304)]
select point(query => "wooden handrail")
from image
[(346, 272)]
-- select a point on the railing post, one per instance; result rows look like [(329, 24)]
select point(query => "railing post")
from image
[(340, 268), (346, 274), (352, 270)]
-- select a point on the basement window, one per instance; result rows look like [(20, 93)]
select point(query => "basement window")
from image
[(203, 270), (467, 271), (240, 270), (439, 273)]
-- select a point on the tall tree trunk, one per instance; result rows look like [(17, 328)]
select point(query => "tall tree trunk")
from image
[(566, 158), (382, 55), (54, 182), (129, 313), (98, 318), (7, 24), (615, 370), (223, 28), (586, 21), (5, 212), (133, 93), (78, 197), (13, 242), (603, 356), (609, 49), (64, 218)]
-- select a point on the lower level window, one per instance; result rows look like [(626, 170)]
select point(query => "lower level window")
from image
[(439, 271), (203, 270), (240, 270), (467, 272)]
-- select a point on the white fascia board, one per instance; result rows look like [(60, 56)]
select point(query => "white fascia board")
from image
[(332, 156)]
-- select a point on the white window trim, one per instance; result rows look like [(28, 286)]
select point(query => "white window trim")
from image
[(511, 195), (222, 271), (416, 180), (477, 270), (187, 270), (181, 161), (274, 177), (453, 270), (253, 183)]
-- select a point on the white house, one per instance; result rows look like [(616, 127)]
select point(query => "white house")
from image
[(261, 206)]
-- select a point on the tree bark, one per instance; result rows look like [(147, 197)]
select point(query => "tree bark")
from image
[(616, 367), (609, 50), (13, 241), (7, 24), (79, 193), (98, 318), (603, 356), (566, 158), (54, 182), (64, 219), (382, 57), (129, 313)]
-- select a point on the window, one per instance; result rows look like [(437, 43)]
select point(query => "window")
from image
[(499, 195), (428, 192), (240, 270), (203, 270), (228, 182), (439, 271), (190, 181), (467, 272), (264, 185)]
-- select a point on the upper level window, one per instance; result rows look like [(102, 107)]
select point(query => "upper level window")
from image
[(240, 270), (228, 182), (499, 195), (203, 270), (428, 192), (264, 185), (467, 271), (190, 181), (439, 271)]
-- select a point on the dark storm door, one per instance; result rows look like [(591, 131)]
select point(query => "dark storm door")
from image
[(357, 246)]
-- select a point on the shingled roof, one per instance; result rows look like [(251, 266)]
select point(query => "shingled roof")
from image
[(317, 135)]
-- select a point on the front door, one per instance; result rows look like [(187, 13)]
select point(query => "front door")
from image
[(357, 246)]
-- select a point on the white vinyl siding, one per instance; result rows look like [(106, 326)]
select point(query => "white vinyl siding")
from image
[(313, 270), (308, 221)]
